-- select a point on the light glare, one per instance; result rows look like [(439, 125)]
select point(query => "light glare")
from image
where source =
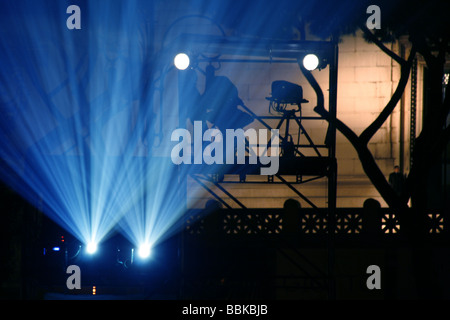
[(91, 248), (310, 62), (181, 61), (144, 250)]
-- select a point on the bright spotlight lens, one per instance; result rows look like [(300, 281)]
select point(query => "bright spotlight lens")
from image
[(181, 61), (91, 248), (144, 251), (310, 62)]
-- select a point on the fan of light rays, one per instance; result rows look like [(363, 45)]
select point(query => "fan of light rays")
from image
[(79, 119)]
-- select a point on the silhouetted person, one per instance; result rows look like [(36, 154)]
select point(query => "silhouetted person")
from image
[(221, 104), (190, 98), (371, 221), (291, 209), (212, 217), (291, 205), (397, 180)]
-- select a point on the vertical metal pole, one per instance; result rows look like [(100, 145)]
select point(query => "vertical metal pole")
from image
[(402, 124), (332, 175), (412, 122), (182, 187)]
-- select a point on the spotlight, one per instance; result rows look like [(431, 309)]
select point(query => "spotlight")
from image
[(310, 62), (144, 250), (91, 247), (181, 61), (56, 248)]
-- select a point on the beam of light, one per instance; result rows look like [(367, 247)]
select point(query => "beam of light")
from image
[(158, 203), (80, 125), (73, 102)]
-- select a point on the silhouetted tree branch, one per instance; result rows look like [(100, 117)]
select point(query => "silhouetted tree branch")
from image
[(370, 131), (380, 45), (360, 143)]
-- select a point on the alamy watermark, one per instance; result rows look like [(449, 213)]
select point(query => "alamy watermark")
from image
[(74, 280), (74, 20), (374, 280), (192, 147), (374, 20)]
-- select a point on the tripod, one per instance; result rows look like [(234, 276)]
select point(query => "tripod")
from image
[(288, 148)]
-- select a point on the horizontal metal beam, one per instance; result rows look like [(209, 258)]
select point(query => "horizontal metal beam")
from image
[(207, 44)]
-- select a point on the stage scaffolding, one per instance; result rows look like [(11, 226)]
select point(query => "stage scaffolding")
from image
[(307, 160)]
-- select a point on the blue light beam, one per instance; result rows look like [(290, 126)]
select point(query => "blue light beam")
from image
[(72, 101), (82, 129)]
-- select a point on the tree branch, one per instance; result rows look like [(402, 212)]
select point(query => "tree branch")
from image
[(313, 83), (370, 131), (423, 49), (380, 45), (368, 162)]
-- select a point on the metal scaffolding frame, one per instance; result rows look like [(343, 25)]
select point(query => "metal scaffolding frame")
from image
[(318, 166)]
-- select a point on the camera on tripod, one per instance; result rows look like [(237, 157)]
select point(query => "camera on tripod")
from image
[(286, 99), (285, 94)]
